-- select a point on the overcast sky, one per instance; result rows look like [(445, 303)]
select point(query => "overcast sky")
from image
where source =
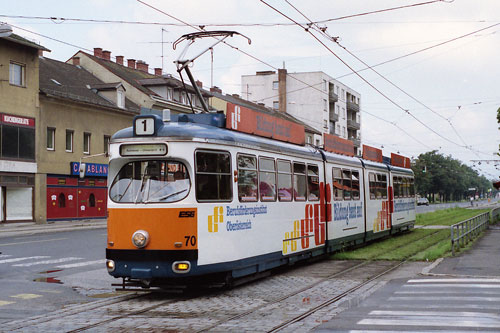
[(444, 98)]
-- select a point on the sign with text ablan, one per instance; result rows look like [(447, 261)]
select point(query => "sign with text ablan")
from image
[(372, 154), (337, 145), (242, 119)]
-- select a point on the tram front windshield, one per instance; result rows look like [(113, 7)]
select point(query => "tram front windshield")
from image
[(150, 181)]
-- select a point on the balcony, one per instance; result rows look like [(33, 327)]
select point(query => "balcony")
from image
[(333, 116), (352, 107), (333, 96), (353, 124), (356, 141)]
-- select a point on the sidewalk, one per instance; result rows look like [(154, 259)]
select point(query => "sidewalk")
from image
[(31, 228)]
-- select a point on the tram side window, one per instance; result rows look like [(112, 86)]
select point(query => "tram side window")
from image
[(381, 186), (406, 187), (267, 179), (396, 186), (247, 178), (285, 188), (355, 185), (337, 184), (213, 176), (313, 182), (412, 187), (346, 177), (299, 181), (372, 181)]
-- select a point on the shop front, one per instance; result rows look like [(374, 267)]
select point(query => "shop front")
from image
[(72, 197)]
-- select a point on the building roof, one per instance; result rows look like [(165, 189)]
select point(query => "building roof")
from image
[(140, 79), (74, 82), (261, 108), (23, 41)]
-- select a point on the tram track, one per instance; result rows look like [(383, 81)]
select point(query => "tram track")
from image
[(190, 312)]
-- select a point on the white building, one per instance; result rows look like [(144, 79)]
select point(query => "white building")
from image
[(312, 97)]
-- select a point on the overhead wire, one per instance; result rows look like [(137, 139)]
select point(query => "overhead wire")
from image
[(321, 30), (359, 75)]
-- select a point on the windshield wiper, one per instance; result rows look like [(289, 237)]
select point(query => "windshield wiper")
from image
[(167, 196)]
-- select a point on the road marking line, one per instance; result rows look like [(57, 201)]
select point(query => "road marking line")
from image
[(2, 303), (45, 262), (26, 296), (37, 241), (483, 280), (436, 322), (445, 298), (434, 314), (451, 285), (6, 261), (85, 263)]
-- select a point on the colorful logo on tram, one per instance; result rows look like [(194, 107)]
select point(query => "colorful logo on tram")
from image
[(237, 218), (312, 225)]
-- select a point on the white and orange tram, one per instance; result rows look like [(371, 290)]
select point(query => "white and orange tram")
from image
[(190, 200)]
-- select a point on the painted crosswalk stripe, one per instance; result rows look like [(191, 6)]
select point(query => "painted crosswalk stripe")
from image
[(452, 285), (432, 322), (471, 280), (45, 262), (6, 261), (26, 296), (445, 298), (433, 314), (5, 255), (435, 292), (85, 263), (2, 303)]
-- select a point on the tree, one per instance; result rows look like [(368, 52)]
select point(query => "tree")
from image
[(446, 177)]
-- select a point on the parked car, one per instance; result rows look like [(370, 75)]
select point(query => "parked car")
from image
[(422, 201)]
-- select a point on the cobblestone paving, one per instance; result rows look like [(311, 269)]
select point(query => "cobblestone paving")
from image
[(254, 307)]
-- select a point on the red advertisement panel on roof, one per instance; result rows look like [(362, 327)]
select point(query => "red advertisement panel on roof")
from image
[(400, 161), (338, 145), (242, 119), (372, 154)]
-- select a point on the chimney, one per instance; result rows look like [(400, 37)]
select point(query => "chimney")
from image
[(98, 52), (282, 90), (158, 71), (199, 84), (131, 63), (76, 61), (216, 89), (40, 53), (119, 60), (106, 55), (142, 66)]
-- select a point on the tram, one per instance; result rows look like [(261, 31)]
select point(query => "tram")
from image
[(191, 200)]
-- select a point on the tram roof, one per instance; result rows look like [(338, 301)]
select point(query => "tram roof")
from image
[(189, 131)]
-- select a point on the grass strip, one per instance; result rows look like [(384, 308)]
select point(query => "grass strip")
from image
[(448, 216)]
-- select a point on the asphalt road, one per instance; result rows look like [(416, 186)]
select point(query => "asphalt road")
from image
[(44, 272)]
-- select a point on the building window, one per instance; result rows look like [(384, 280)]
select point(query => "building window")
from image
[(325, 85), (120, 102), (325, 124), (276, 105), (342, 96), (276, 85), (17, 74), (170, 94), (343, 113), (106, 143), (86, 143), (184, 98), (69, 141), (337, 130), (51, 137), (325, 105)]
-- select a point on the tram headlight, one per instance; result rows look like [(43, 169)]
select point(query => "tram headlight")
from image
[(110, 265), (140, 239)]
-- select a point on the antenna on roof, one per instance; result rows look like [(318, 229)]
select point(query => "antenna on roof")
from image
[(182, 64)]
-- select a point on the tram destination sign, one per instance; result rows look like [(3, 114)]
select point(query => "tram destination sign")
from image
[(242, 119), (143, 150)]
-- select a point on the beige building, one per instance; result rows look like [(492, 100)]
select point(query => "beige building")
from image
[(19, 125), (79, 114)]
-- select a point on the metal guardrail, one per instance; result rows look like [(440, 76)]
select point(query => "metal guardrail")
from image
[(463, 232)]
